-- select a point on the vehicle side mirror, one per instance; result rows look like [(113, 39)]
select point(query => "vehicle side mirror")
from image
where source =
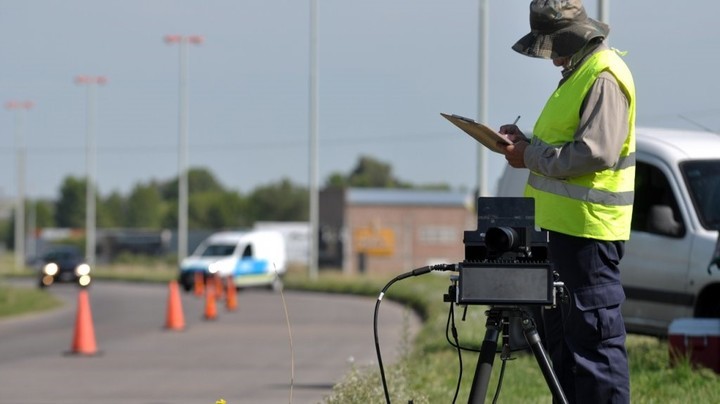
[(662, 221)]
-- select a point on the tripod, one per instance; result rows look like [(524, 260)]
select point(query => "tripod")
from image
[(497, 317)]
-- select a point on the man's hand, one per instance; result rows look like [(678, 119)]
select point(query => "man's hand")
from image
[(513, 133), (515, 154)]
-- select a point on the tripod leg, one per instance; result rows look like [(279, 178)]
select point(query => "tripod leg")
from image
[(483, 370), (533, 338)]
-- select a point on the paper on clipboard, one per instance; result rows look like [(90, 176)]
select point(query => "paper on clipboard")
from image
[(483, 134)]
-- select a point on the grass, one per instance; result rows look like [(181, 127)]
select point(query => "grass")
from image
[(428, 368), (16, 301)]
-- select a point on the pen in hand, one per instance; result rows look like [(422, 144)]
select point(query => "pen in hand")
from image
[(511, 139)]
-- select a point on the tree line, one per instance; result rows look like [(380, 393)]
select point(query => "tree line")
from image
[(154, 204)]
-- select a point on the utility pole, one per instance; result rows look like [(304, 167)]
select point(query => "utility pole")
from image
[(19, 107), (90, 83), (313, 157), (183, 110), (483, 44), (604, 11)]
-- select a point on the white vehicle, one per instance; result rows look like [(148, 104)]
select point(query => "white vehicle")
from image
[(666, 271), (254, 258)]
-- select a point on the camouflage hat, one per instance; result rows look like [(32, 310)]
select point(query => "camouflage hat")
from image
[(559, 28)]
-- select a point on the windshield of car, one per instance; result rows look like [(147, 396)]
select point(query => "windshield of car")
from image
[(61, 255), (703, 180), (218, 250)]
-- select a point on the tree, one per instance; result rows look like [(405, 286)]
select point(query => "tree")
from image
[(282, 201), (199, 180), (43, 213), (70, 207), (368, 173), (217, 210), (372, 173), (111, 211), (144, 207)]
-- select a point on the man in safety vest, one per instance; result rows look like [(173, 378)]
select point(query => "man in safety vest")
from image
[(582, 171)]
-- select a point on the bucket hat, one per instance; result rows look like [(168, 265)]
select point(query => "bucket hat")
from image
[(558, 28)]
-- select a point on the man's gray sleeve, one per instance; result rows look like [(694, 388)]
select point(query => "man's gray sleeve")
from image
[(598, 140)]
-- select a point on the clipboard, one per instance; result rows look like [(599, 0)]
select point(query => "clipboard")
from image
[(483, 134)]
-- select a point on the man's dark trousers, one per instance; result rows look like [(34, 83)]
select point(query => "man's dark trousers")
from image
[(586, 336)]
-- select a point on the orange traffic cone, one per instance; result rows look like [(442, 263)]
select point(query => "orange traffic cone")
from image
[(210, 307), (231, 299), (218, 287), (175, 320), (84, 337), (199, 284)]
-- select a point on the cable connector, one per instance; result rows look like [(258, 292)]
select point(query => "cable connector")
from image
[(443, 267)]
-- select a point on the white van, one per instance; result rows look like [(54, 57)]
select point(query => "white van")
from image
[(254, 258), (666, 271)]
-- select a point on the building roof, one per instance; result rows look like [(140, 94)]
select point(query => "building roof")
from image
[(417, 197)]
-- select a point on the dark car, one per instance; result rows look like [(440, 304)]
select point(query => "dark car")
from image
[(63, 264)]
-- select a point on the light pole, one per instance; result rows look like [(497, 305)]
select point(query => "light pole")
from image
[(90, 83), (483, 33), (183, 41), (19, 107), (313, 155), (604, 11)]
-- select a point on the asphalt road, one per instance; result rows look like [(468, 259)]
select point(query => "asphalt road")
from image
[(243, 356)]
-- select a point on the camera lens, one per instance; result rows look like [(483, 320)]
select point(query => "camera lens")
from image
[(501, 239)]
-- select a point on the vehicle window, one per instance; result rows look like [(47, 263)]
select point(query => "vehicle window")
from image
[(247, 252), (218, 250), (655, 209), (60, 255), (703, 181)]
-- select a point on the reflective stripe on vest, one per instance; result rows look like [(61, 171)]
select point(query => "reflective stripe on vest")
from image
[(597, 205), (591, 195)]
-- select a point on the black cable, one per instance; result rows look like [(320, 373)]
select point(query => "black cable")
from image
[(414, 272), (500, 380), (456, 343), (459, 350)]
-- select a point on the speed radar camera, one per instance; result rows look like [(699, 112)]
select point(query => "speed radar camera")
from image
[(506, 258)]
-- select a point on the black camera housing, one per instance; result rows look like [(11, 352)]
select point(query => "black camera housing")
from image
[(506, 258)]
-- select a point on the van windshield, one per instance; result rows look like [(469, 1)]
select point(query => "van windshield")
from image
[(703, 180), (218, 250)]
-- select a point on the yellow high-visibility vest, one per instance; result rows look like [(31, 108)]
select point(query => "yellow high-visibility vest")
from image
[(597, 205)]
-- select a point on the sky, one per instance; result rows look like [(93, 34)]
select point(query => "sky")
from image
[(386, 69)]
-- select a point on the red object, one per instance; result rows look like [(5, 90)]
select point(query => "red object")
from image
[(175, 319), (199, 284), (84, 337), (697, 339), (218, 287), (231, 303), (210, 306)]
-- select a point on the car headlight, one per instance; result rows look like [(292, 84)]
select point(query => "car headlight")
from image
[(82, 269), (84, 280), (213, 268), (50, 268)]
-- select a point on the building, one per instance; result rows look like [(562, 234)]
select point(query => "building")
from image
[(385, 230)]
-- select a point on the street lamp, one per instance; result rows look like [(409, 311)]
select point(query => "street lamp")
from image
[(19, 107), (314, 214), (91, 83), (483, 39), (183, 41)]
